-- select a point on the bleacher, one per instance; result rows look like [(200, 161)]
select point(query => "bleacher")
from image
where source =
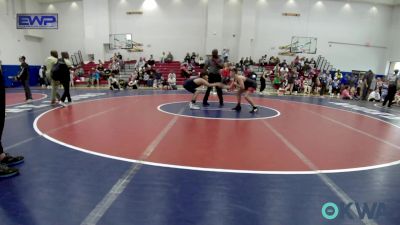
[(129, 67)]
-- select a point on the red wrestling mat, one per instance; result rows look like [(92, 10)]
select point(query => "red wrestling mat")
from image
[(302, 135)]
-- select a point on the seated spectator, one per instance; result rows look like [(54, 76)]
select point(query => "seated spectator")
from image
[(251, 61), (172, 80), (186, 73), (100, 70), (146, 78), (139, 64), (346, 94), (113, 83), (193, 57), (169, 58), (114, 66), (151, 61), (201, 62), (374, 96), (283, 64), (133, 80), (397, 98), (307, 85), (187, 58), (157, 79)]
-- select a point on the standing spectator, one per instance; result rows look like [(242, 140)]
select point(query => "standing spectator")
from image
[(169, 58), (65, 78), (50, 62), (379, 84), (42, 76), (323, 81), (213, 65), (367, 84), (291, 76), (163, 58), (6, 160), (336, 87), (23, 76), (393, 80), (263, 79), (72, 77), (225, 54)]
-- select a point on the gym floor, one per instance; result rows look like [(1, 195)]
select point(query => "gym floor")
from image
[(143, 157)]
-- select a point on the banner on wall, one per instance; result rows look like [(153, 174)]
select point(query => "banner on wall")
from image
[(37, 21)]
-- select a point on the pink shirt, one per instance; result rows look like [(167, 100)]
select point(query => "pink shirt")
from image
[(345, 94)]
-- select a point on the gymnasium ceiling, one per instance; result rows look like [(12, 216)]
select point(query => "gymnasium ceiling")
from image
[(386, 2)]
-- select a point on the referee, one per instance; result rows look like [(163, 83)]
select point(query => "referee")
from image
[(213, 66)]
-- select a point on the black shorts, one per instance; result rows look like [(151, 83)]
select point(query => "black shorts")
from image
[(249, 83), (190, 86)]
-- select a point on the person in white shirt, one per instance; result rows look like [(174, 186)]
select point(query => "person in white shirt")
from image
[(172, 80), (374, 96)]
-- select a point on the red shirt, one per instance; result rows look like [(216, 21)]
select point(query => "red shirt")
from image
[(225, 73)]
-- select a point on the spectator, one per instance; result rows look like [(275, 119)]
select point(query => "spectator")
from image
[(139, 64), (336, 87), (113, 83), (385, 86), (323, 79), (291, 76), (185, 72), (42, 76), (133, 80), (263, 79), (379, 84), (114, 66), (72, 77), (367, 84), (172, 80), (392, 88), (65, 78), (157, 80), (374, 96), (23, 76), (6, 160), (338, 75), (346, 94), (169, 58), (187, 58), (95, 76), (163, 58), (225, 54), (151, 61), (201, 62)]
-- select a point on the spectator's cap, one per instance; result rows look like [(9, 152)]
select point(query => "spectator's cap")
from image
[(396, 70), (22, 58)]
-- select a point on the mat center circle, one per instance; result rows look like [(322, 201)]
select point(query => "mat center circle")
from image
[(215, 111)]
